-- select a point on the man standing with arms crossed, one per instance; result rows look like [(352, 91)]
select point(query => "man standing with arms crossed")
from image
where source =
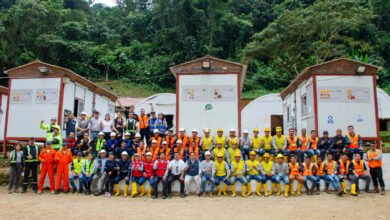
[(31, 161)]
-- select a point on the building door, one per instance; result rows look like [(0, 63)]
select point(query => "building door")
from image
[(276, 121)]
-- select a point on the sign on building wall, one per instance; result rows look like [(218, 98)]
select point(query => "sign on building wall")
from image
[(46, 96), (344, 94), (21, 96), (209, 93)]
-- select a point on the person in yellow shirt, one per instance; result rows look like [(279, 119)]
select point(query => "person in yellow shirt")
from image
[(206, 142), (279, 142), (233, 150), (266, 144), (267, 168), (220, 138), (253, 172), (232, 137), (221, 150), (238, 171), (256, 141), (222, 174), (49, 127)]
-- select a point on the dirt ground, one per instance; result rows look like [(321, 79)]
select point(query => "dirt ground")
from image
[(72, 206)]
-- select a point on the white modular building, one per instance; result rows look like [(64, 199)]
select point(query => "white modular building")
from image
[(3, 110)]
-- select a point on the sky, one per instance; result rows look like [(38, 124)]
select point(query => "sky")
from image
[(106, 2)]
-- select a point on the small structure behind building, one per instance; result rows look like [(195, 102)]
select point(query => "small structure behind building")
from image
[(3, 110)]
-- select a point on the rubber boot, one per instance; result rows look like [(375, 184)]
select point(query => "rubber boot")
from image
[(258, 189), (219, 190), (272, 189), (315, 158), (142, 188), (343, 186), (279, 190), (265, 190), (299, 189), (233, 191), (150, 191), (126, 189), (249, 189), (292, 189), (243, 191), (286, 190), (117, 190), (133, 189), (285, 159), (224, 190), (353, 190)]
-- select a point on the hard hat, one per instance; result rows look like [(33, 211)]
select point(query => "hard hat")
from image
[(64, 144), (79, 154), (267, 129), (207, 153), (155, 131), (278, 128), (194, 130), (266, 155), (245, 131), (279, 156), (137, 135), (154, 141), (137, 155), (182, 129), (101, 133), (102, 151), (207, 130), (252, 153), (127, 134), (112, 134), (148, 154), (237, 154), (219, 142), (164, 143), (48, 143), (53, 118), (232, 130), (124, 153), (219, 130), (234, 142), (83, 113), (256, 130), (219, 155), (179, 142)]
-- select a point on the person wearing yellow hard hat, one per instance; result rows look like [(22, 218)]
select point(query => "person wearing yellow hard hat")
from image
[(256, 141), (221, 150), (232, 137), (245, 144), (222, 174), (232, 151), (279, 142), (281, 174), (206, 142), (238, 172), (267, 168), (266, 144), (253, 172), (220, 138)]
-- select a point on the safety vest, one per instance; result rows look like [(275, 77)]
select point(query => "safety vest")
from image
[(267, 167), (166, 151), (131, 126), (184, 140), (217, 151), (170, 141), (238, 168), (152, 124), (181, 153), (343, 168), (304, 141), (154, 152), (197, 139), (207, 142), (320, 169), (190, 150), (231, 139), (250, 164), (308, 171), (358, 167), (29, 154), (220, 139), (161, 167), (256, 143), (148, 168), (374, 163), (330, 168), (313, 143), (160, 126), (279, 141), (141, 152), (143, 122), (99, 144), (78, 165), (135, 171), (232, 152), (13, 158), (267, 142), (294, 168), (158, 139), (89, 167), (220, 168), (292, 144), (354, 141)]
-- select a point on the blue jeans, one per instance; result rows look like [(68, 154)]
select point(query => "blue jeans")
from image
[(245, 152), (71, 181), (94, 135), (86, 181), (241, 179), (323, 153), (282, 177), (256, 177), (312, 179), (121, 177), (280, 151), (205, 178), (334, 180), (325, 178), (265, 178), (312, 152), (218, 179), (151, 181), (270, 151), (138, 179)]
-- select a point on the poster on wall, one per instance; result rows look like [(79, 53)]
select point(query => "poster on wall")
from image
[(209, 93), (357, 94), (330, 94), (21, 96), (344, 94), (195, 93), (46, 96), (223, 93)]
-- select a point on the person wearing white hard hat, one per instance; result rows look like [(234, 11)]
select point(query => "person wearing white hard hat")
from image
[(82, 126), (207, 167), (232, 137), (99, 178), (112, 143), (165, 149), (206, 142), (194, 138), (245, 145), (161, 125), (154, 149), (220, 138), (131, 125), (180, 149), (182, 137), (123, 168), (100, 144), (170, 139), (49, 127), (135, 142), (156, 137), (127, 140)]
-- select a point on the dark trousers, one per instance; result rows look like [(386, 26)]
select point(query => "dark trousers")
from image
[(144, 132), (171, 178), (107, 135), (355, 180), (377, 176), (110, 183), (14, 175), (30, 167), (156, 180), (323, 153)]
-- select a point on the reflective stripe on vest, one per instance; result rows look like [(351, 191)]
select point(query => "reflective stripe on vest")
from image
[(267, 167), (78, 165), (89, 167), (267, 142), (279, 141), (217, 151), (313, 143), (13, 159), (308, 171), (99, 144), (343, 167), (207, 142), (330, 168), (232, 152), (238, 168), (132, 128), (250, 165), (320, 169), (256, 142), (303, 141), (294, 169), (231, 141), (374, 163), (220, 168), (354, 141), (143, 122), (292, 144), (29, 154), (161, 167), (358, 168)]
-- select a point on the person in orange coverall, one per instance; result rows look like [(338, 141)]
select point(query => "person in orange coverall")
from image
[(46, 157), (63, 159)]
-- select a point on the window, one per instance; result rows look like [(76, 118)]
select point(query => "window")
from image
[(78, 107), (304, 104)]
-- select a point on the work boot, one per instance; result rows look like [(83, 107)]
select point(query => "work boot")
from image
[(353, 190), (134, 191), (326, 189), (74, 190), (265, 190), (376, 190), (233, 191), (292, 189), (142, 188), (117, 190), (249, 189), (258, 189), (224, 190), (279, 190), (204, 195), (286, 190), (65, 191), (150, 191), (299, 189), (243, 193), (57, 192), (219, 190), (211, 195), (318, 192), (340, 191), (126, 189), (382, 191), (344, 187), (272, 189)]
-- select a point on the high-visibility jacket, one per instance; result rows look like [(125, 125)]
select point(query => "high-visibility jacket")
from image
[(217, 151), (220, 168), (330, 167), (143, 122), (250, 164), (231, 139), (358, 167), (196, 139), (196, 151), (100, 144), (77, 165), (320, 169), (279, 141), (131, 126), (148, 168), (135, 168), (141, 151), (154, 151), (65, 158), (166, 151), (161, 167), (56, 141), (89, 167), (184, 140), (294, 168), (267, 167), (238, 168), (34, 159), (313, 142), (354, 141), (207, 142), (170, 141), (308, 170), (267, 142), (374, 163), (181, 152), (304, 141), (220, 139), (256, 143), (49, 129), (158, 139), (292, 143), (13, 158), (343, 167), (232, 152)]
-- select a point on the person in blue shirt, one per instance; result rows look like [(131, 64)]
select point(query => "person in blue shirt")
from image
[(127, 140), (161, 125), (111, 173), (70, 124), (112, 143), (325, 146), (118, 151), (124, 172)]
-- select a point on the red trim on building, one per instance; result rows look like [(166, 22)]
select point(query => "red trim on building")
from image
[(6, 117), (239, 103), (177, 103), (378, 137), (26, 138), (61, 103), (315, 103)]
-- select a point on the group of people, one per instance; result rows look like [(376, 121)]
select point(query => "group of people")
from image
[(101, 159)]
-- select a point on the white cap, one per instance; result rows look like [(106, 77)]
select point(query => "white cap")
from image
[(155, 131), (125, 153), (102, 151), (148, 154), (232, 130), (245, 131), (127, 133), (137, 135), (83, 113), (182, 129), (179, 142), (112, 134), (194, 130), (164, 142), (207, 153), (53, 118), (101, 133), (154, 141)]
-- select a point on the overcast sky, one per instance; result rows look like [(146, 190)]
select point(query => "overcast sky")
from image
[(106, 2)]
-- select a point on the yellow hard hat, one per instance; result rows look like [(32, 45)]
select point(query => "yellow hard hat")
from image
[(219, 142), (252, 153), (256, 130), (278, 128), (266, 155), (206, 130), (237, 154), (219, 130), (234, 142), (267, 129), (219, 155), (279, 156)]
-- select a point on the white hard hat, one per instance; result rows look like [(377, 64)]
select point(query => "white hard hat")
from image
[(148, 154), (155, 131), (207, 153), (232, 130), (206, 130), (179, 142), (182, 129), (112, 134), (83, 113), (101, 133), (137, 135), (194, 130), (53, 118), (102, 151), (164, 142), (127, 133), (154, 141), (245, 131), (125, 153)]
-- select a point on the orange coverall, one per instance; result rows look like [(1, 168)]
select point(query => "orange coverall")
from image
[(46, 157), (63, 158)]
